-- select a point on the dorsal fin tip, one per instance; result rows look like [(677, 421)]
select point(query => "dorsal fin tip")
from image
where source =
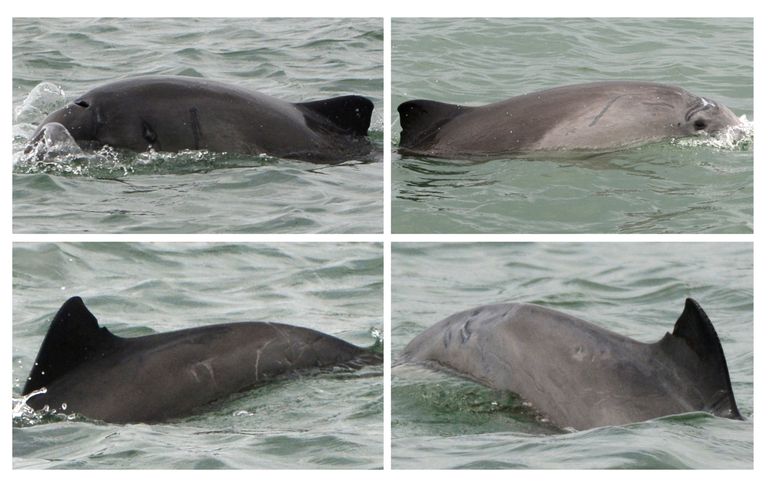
[(75, 301), (73, 338), (696, 328), (349, 113), (690, 302)]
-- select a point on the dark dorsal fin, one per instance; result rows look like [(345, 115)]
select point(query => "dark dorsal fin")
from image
[(421, 119), (73, 338), (697, 331), (350, 114)]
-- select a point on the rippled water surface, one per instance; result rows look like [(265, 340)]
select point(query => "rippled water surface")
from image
[(659, 188), (638, 290), (319, 420), (55, 60)]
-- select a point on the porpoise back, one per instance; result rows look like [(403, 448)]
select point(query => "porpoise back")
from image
[(174, 113), (586, 117), (579, 375), (88, 370)]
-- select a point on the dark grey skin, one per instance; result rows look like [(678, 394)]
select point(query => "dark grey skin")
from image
[(579, 375), (173, 113), (587, 117), (164, 376)]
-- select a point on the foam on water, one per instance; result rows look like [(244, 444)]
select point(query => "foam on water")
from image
[(737, 138)]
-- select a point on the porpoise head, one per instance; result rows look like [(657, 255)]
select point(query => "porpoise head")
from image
[(707, 117), (50, 140), (93, 127), (78, 119)]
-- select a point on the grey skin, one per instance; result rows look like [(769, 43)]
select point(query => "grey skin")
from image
[(56, 140), (173, 113), (164, 376), (587, 117), (578, 375)]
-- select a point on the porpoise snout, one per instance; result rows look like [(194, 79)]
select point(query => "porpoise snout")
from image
[(49, 139)]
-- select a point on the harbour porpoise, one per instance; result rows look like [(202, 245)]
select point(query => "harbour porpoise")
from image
[(586, 117), (174, 113), (87, 370), (578, 375)]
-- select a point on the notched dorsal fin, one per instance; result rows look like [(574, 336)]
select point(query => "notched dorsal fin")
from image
[(421, 119), (698, 333), (73, 338), (350, 113)]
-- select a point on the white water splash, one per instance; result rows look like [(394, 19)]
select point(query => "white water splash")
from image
[(41, 100), (740, 137), (20, 409)]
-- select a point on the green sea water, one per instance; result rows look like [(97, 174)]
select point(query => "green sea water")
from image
[(312, 420), (668, 187), (634, 289), (55, 60)]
